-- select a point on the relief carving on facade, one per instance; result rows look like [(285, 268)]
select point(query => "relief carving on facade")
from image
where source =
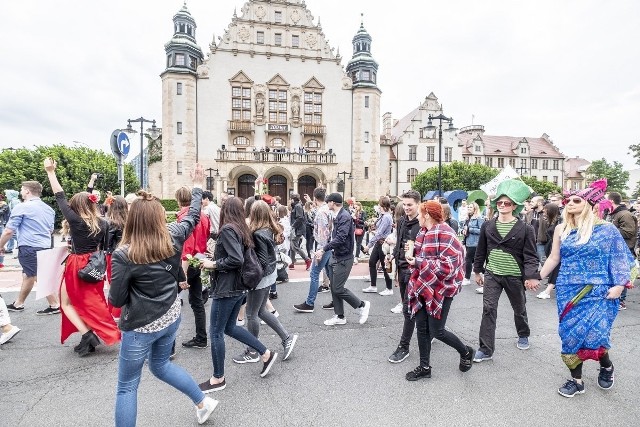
[(347, 83), (203, 71), (295, 16), (260, 13), (243, 33), (311, 40)]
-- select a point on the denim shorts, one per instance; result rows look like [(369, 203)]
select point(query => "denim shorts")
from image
[(28, 259)]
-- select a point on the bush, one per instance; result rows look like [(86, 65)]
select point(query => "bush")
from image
[(171, 217), (170, 205)]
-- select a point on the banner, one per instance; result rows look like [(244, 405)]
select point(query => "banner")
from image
[(491, 187), (50, 270)]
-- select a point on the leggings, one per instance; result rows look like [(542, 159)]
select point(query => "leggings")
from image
[(378, 256), (605, 362)]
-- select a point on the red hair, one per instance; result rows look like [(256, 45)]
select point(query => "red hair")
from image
[(434, 209)]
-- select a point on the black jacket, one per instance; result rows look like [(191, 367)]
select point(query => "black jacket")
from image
[(342, 237), (297, 219), (265, 250), (407, 230), (146, 291), (229, 257), (114, 235), (520, 243)]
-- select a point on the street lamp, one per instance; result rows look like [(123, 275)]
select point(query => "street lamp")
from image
[(153, 132), (210, 178), (344, 184), (430, 127)]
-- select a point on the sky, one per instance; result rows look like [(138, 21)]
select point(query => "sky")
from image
[(74, 71)]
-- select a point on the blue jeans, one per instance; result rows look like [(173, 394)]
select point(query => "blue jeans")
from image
[(224, 312), (156, 346), (316, 268), (540, 250)]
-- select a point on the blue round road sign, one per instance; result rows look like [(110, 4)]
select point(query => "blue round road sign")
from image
[(123, 144)]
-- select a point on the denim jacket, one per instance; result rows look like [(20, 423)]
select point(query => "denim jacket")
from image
[(473, 231)]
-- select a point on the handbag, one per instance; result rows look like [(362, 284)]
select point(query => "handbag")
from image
[(359, 232), (96, 267)]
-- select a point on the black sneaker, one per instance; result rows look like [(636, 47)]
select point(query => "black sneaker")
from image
[(303, 308), (206, 387), (273, 295), (466, 361), (571, 388), (194, 343), (47, 311), (418, 373), (268, 364), (328, 306), (605, 378), (399, 355), (12, 306), (323, 289)]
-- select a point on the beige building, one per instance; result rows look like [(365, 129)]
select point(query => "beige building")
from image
[(535, 157), (575, 173), (271, 100)]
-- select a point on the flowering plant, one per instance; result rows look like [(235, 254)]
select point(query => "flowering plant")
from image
[(261, 186), (204, 275), (93, 198)]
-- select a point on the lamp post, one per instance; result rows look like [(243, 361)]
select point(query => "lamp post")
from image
[(210, 178), (343, 179), (430, 127), (153, 132)]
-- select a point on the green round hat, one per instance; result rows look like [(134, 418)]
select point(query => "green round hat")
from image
[(516, 190)]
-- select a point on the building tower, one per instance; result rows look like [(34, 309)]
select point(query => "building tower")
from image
[(179, 105), (365, 164)]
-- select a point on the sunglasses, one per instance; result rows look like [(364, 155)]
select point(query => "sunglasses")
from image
[(575, 200), (505, 203)]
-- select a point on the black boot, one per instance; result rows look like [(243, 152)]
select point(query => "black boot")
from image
[(87, 344)]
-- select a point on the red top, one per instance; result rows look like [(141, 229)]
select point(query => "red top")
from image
[(197, 242)]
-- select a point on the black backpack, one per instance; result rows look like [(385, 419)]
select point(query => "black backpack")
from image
[(251, 271)]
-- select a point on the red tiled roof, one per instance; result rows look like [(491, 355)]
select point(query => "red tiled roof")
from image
[(575, 166), (507, 146)]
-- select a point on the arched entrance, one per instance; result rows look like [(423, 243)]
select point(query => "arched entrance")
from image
[(306, 185), (246, 186), (278, 187)]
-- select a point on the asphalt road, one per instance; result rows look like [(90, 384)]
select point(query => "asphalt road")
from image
[(336, 376)]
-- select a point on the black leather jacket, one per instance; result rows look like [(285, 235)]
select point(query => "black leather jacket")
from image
[(265, 250), (146, 291)]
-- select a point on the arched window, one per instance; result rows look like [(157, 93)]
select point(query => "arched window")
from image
[(241, 140), (312, 144), (412, 173), (278, 143)]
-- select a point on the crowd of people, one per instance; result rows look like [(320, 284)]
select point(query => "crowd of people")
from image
[(584, 242)]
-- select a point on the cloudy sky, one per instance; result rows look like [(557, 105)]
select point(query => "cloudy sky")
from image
[(77, 70)]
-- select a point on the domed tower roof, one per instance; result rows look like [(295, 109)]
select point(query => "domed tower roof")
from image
[(362, 68), (183, 53)]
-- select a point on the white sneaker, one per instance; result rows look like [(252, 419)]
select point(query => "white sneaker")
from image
[(543, 295), (370, 290), (364, 312), (466, 282), (355, 261), (480, 290), (6, 336), (335, 320), (240, 322), (209, 405), (386, 292), (397, 309)]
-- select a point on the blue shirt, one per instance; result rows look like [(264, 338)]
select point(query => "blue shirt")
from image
[(33, 221)]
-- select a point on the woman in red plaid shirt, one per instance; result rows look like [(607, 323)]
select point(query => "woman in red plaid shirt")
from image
[(437, 270)]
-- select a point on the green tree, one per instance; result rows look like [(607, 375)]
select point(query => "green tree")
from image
[(75, 166), (617, 177), (455, 176), (541, 188)]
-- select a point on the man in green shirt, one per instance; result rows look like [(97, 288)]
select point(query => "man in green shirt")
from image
[(506, 254)]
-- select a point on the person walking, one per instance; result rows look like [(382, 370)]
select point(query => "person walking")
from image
[(595, 266), (471, 233), (437, 270), (359, 221), (5, 212), (297, 219), (146, 274), (506, 254), (321, 233), (407, 231), (83, 304), (383, 227), (551, 216), (116, 217), (227, 293), (13, 200), (266, 232), (341, 243), (32, 221), (627, 225), (8, 331)]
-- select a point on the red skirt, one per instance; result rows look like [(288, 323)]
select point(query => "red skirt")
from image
[(115, 312), (89, 302)]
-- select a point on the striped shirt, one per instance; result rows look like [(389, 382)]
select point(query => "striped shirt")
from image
[(500, 262)]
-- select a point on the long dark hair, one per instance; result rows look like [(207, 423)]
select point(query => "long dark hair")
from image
[(232, 214), (117, 213), (553, 213)]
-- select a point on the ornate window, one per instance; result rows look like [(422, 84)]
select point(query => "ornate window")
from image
[(278, 17), (277, 106), (312, 107), (241, 140), (278, 39), (295, 41), (260, 37), (312, 144), (278, 143), (412, 173), (413, 152), (240, 103), (431, 154), (180, 60)]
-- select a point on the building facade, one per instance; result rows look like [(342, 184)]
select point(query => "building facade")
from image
[(271, 101), (575, 173)]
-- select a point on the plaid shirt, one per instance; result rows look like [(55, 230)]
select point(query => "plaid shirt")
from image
[(438, 270)]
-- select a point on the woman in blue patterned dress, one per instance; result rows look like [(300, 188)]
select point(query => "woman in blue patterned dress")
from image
[(596, 266)]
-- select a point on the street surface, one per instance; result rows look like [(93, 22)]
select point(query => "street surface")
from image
[(336, 376)]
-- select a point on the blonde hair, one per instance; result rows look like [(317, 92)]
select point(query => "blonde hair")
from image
[(145, 231), (584, 222), (476, 209)]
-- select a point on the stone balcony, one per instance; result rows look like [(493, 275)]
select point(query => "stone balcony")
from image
[(275, 157)]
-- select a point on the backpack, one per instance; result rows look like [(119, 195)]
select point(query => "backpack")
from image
[(251, 272)]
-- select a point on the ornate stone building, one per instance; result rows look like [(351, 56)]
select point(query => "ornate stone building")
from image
[(271, 100)]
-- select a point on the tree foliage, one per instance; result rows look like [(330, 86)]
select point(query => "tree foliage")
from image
[(75, 166), (541, 188), (455, 176), (617, 177)]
